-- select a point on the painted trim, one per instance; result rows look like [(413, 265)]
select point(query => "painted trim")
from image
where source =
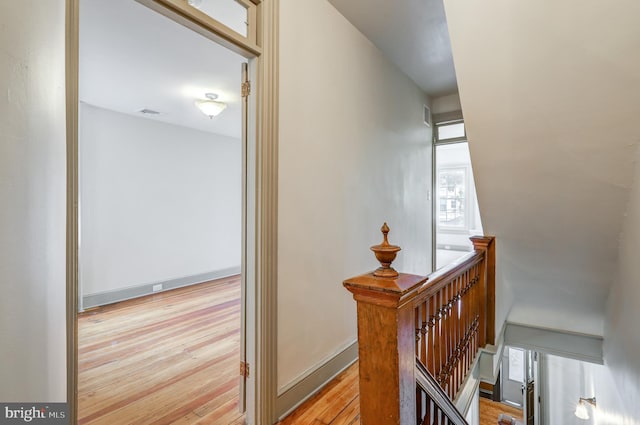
[(263, 385), (116, 295), (482, 370), (211, 28), (573, 345), (446, 117), (489, 366), (72, 22), (434, 207), (296, 393), (266, 361), (467, 393)]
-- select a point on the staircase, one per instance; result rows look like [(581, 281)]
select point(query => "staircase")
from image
[(419, 336)]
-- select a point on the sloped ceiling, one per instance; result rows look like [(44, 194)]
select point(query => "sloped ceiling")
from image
[(551, 97), (412, 34)]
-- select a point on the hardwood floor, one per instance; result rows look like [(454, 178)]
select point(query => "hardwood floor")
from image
[(168, 358), (337, 403), (490, 410), (172, 358)]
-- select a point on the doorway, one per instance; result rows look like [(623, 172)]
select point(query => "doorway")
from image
[(519, 373), (513, 376), (135, 183)]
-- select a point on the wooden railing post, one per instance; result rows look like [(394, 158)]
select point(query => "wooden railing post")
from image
[(424, 328), (386, 338), (486, 244)]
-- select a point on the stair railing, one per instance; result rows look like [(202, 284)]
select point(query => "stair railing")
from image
[(414, 331), (438, 408)]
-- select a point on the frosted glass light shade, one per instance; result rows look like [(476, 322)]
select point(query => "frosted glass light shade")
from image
[(210, 108), (581, 411)]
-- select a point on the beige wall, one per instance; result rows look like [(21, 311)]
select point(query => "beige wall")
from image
[(444, 104), (354, 152), (552, 167), (32, 189)]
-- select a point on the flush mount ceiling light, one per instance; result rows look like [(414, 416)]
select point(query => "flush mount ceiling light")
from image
[(210, 107), (581, 409)]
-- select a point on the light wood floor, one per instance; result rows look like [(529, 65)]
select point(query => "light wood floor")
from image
[(172, 358), (169, 358), (339, 404), (490, 410)]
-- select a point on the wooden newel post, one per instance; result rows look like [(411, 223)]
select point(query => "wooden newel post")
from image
[(386, 340), (487, 245)]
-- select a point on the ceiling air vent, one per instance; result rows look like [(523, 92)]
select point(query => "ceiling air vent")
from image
[(149, 112)]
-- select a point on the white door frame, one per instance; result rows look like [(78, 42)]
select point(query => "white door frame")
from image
[(261, 48)]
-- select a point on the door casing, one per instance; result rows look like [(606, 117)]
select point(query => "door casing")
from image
[(261, 48)]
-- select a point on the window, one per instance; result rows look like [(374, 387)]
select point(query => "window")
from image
[(452, 194), (456, 213), (451, 131), (231, 13), (232, 22)]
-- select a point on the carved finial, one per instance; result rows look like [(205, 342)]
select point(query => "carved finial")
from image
[(385, 231), (385, 253)]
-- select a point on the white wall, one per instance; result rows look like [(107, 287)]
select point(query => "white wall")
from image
[(568, 380), (158, 201), (616, 385), (622, 340), (354, 152), (32, 189)]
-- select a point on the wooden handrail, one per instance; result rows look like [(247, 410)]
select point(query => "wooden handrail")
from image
[(441, 404), (440, 321)]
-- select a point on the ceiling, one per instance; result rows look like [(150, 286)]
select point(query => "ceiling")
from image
[(132, 58), (412, 34), (551, 93)]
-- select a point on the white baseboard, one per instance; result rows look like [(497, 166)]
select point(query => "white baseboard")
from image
[(306, 387), (110, 297)]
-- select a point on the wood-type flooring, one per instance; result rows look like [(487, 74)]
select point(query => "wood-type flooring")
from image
[(490, 410), (167, 358), (172, 358), (338, 403)]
